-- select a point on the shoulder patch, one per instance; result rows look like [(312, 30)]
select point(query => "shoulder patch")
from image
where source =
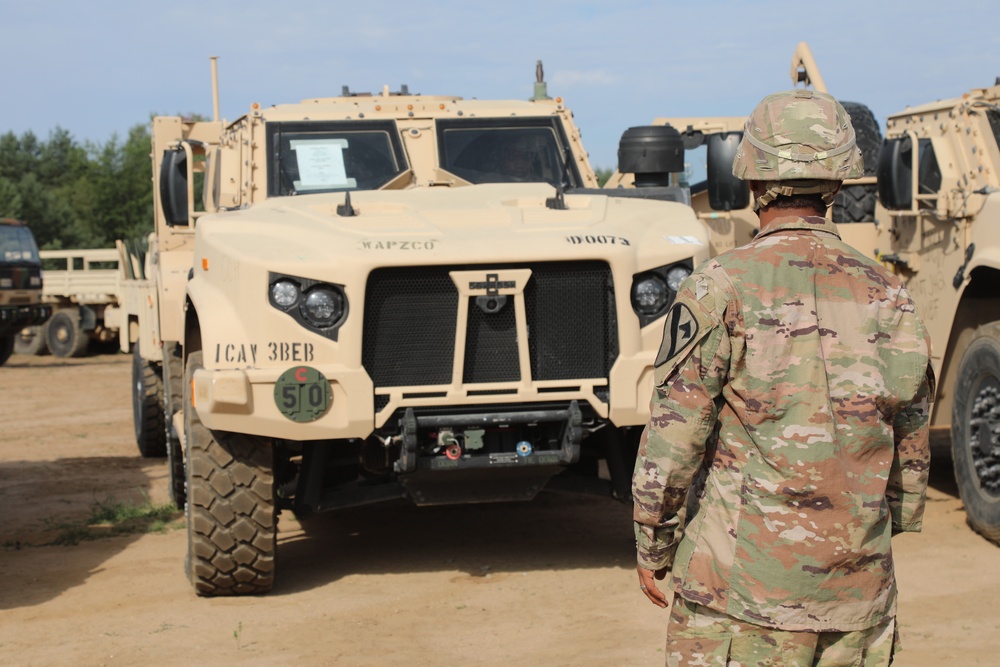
[(680, 330)]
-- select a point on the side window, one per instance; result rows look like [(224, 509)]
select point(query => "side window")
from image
[(928, 173)]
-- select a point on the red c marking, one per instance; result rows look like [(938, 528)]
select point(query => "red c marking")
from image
[(300, 374)]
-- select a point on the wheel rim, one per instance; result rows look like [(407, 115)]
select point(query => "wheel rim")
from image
[(984, 435)]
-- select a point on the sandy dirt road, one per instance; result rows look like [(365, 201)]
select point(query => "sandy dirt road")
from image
[(549, 582)]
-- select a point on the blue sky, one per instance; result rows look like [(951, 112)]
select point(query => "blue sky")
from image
[(98, 68)]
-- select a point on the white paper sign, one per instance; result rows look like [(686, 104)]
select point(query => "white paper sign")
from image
[(321, 164)]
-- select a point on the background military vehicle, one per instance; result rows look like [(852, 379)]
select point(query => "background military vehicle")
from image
[(392, 296), (20, 284), (723, 202), (939, 228), (83, 288)]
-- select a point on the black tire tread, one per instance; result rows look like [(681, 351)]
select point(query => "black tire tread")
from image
[(231, 508), (35, 345), (77, 340), (856, 203), (147, 406), (983, 353), (6, 348), (173, 369)]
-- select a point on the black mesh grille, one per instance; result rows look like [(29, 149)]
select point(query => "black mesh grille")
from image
[(571, 320), (409, 333), (411, 313), (491, 345)]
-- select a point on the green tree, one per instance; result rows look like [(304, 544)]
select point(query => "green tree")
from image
[(603, 174), (120, 199), (10, 199)]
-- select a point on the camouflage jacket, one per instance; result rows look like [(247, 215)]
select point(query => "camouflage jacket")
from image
[(792, 396)]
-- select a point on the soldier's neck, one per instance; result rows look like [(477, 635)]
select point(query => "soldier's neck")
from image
[(769, 214)]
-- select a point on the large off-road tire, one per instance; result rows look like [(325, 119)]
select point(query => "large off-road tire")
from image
[(856, 203), (30, 341), (6, 348), (975, 431), (147, 407), (231, 509), (173, 379), (64, 335)]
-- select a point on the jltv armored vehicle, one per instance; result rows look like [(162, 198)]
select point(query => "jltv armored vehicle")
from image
[(20, 284), (392, 296), (939, 228), (723, 202)]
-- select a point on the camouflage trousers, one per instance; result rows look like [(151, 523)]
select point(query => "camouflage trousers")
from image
[(701, 637)]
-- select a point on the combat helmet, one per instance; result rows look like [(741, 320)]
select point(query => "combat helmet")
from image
[(798, 142)]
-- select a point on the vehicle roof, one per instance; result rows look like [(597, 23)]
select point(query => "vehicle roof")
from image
[(379, 107), (991, 93)]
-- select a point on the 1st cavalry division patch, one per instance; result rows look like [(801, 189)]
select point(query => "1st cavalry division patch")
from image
[(680, 329)]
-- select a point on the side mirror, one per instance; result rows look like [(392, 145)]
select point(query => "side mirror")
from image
[(174, 187), (725, 191)]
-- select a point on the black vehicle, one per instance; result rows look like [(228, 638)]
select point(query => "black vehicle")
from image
[(20, 284)]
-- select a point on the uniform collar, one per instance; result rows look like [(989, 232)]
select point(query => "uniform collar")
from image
[(812, 223)]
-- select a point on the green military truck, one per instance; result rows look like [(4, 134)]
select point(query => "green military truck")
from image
[(20, 284), (393, 295)]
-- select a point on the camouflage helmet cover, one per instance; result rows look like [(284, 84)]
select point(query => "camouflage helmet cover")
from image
[(798, 135)]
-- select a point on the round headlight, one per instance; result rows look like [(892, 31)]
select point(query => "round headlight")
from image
[(323, 307), (285, 293), (676, 276), (649, 295)]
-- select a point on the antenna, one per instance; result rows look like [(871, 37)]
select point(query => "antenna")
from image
[(215, 87)]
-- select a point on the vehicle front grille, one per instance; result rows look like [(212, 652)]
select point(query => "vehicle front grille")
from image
[(411, 316)]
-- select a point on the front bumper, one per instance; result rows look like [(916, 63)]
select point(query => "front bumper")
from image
[(15, 318), (244, 401)]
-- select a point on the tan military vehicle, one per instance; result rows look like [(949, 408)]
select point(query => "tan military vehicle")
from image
[(939, 228), (394, 296), (20, 284), (83, 288), (723, 202)]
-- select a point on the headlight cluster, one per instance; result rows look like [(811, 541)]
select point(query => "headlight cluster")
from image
[(653, 291), (313, 304)]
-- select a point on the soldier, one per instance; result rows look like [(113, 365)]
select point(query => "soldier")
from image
[(790, 411)]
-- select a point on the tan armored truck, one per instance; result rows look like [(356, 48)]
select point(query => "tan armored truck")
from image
[(20, 284), (939, 228), (723, 202), (83, 289), (393, 296)]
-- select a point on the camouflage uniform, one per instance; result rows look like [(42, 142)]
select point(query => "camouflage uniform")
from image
[(792, 396)]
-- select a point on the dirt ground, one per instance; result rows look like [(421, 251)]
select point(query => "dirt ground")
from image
[(547, 582)]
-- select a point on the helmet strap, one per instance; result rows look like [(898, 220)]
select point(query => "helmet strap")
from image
[(775, 189)]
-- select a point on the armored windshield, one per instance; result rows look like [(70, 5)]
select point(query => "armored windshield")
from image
[(506, 150), (18, 245), (307, 157)]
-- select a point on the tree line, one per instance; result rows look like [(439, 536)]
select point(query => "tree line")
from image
[(75, 195)]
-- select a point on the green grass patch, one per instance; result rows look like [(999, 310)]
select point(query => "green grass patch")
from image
[(110, 518)]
